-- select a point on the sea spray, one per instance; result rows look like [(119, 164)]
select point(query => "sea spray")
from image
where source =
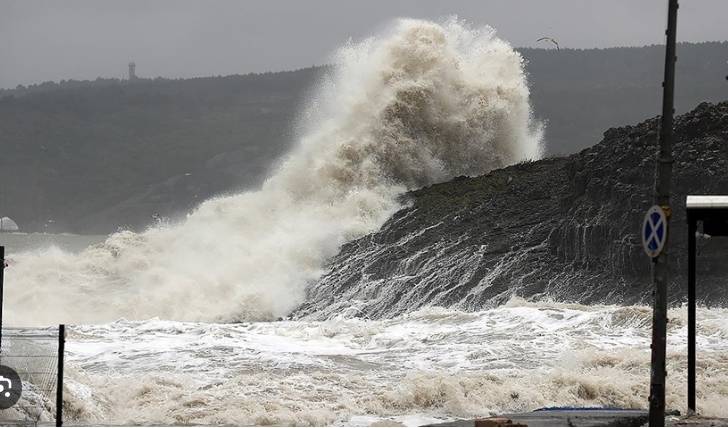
[(431, 363), (421, 103)]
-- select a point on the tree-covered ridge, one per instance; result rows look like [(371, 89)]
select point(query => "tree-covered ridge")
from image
[(93, 156), (111, 155), (581, 93)]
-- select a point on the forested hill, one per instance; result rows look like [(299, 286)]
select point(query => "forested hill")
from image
[(92, 156), (581, 93), (111, 154)]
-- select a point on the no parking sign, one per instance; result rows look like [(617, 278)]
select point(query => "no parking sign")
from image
[(654, 231)]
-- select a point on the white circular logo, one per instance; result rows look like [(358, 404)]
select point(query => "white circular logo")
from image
[(11, 387)]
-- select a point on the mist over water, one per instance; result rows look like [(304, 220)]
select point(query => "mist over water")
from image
[(420, 103)]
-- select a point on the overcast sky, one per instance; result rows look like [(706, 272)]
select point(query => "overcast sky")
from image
[(81, 39)]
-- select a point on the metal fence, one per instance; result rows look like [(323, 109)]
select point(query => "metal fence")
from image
[(33, 354), (36, 355)]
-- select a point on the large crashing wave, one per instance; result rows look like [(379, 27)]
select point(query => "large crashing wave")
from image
[(422, 103)]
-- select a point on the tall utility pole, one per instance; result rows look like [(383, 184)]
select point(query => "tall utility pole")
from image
[(660, 269)]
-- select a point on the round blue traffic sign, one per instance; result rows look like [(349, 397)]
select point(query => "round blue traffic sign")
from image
[(654, 231)]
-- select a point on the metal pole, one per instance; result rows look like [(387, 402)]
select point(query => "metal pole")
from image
[(692, 229), (662, 198), (2, 291), (59, 382)]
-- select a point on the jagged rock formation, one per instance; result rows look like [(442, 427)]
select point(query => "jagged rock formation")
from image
[(559, 228)]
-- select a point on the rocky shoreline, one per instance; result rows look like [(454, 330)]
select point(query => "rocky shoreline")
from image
[(560, 228)]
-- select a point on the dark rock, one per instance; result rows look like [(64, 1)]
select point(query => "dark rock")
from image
[(560, 228)]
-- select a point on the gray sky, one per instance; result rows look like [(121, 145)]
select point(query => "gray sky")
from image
[(82, 39)]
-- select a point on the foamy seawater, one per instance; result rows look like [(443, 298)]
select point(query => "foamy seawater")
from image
[(420, 103), (430, 365), (26, 242)]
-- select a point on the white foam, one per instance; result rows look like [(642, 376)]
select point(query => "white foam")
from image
[(431, 364), (418, 104)]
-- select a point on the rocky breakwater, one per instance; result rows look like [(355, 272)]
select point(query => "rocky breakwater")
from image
[(559, 228)]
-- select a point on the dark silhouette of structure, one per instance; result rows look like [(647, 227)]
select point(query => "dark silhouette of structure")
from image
[(712, 212)]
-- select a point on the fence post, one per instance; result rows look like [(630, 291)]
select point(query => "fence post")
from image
[(59, 383), (692, 229), (2, 292)]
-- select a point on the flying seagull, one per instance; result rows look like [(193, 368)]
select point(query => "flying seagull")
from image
[(549, 39)]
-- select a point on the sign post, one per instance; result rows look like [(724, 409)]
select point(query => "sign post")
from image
[(660, 271)]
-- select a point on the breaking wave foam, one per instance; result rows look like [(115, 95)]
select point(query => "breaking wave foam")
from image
[(429, 365), (420, 104)]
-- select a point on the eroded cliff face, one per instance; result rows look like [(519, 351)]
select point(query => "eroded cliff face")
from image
[(562, 228)]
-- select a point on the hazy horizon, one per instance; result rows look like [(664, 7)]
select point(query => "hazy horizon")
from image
[(81, 40)]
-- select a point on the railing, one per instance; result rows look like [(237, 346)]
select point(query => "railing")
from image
[(36, 355), (33, 355)]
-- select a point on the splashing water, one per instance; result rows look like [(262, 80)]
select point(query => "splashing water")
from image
[(422, 103), (428, 365)]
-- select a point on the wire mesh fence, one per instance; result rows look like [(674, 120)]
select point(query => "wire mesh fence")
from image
[(33, 354)]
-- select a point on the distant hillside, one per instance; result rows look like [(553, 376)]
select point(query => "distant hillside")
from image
[(580, 93), (111, 154), (93, 156)]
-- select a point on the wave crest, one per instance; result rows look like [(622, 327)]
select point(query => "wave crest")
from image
[(422, 103)]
